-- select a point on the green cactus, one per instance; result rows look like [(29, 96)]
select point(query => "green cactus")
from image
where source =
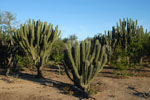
[(129, 39), (7, 52), (83, 62), (37, 40), (110, 43)]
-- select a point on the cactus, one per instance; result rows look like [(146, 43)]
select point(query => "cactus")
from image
[(129, 39), (37, 39), (7, 52), (11, 51), (110, 43), (83, 62)]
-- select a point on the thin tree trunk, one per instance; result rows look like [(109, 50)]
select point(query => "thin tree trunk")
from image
[(9, 65), (58, 68), (128, 59), (7, 71), (39, 72), (109, 60), (141, 60)]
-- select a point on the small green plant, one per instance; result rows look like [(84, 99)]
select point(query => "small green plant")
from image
[(57, 53), (121, 67), (91, 91), (22, 62), (57, 56)]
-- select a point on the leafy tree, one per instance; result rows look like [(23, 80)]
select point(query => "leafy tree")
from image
[(72, 38)]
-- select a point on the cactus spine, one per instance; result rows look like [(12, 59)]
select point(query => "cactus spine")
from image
[(37, 40), (84, 61)]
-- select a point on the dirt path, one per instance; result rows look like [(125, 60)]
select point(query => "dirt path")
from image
[(29, 88)]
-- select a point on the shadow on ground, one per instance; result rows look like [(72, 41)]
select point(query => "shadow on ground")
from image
[(145, 95), (63, 87)]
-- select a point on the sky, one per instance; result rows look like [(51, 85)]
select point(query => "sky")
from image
[(84, 18)]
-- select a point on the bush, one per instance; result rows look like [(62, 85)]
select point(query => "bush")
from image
[(121, 67), (58, 51), (22, 62)]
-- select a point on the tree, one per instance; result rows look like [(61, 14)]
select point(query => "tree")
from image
[(72, 38)]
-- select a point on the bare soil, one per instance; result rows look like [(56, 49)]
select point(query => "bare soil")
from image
[(59, 87)]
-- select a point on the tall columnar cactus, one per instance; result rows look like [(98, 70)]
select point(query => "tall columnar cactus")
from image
[(11, 51), (7, 52), (37, 40), (129, 35), (125, 32), (83, 62), (110, 43)]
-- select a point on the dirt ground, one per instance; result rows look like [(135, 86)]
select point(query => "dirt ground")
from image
[(55, 86)]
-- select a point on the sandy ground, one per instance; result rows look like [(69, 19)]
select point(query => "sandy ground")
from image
[(26, 87)]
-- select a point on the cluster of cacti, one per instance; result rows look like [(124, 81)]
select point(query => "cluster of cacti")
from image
[(11, 50), (84, 61), (127, 36), (110, 43), (127, 33), (37, 40), (7, 50)]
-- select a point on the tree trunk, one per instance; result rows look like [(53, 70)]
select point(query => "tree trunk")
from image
[(59, 69), (141, 60), (119, 60), (9, 65), (39, 72), (7, 71), (128, 59), (109, 60)]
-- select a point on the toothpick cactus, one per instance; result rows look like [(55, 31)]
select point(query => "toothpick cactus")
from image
[(37, 40), (83, 62)]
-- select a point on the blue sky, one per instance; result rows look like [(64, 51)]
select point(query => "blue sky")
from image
[(85, 18)]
